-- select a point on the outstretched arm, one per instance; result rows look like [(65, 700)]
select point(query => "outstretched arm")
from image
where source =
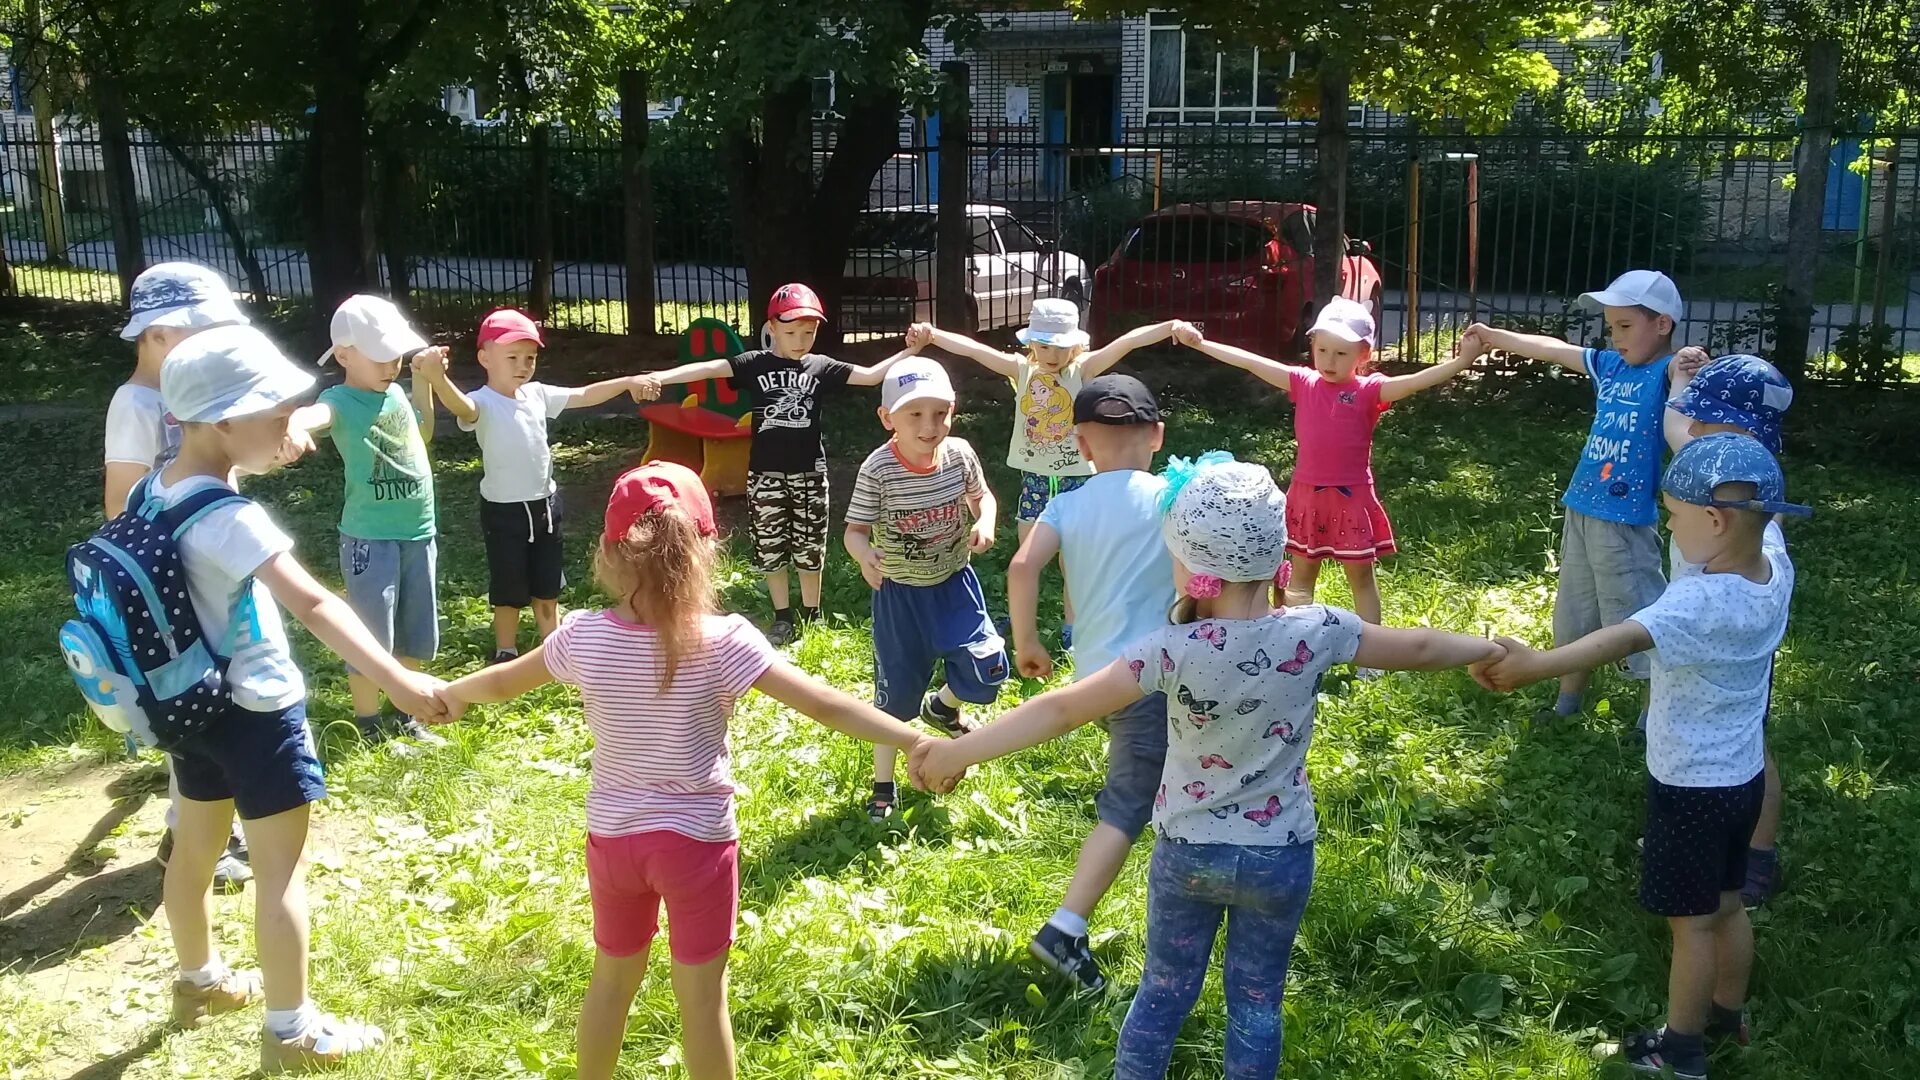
[(1522, 665), (500, 682), (1099, 360), (457, 402), (833, 708), (593, 394), (1271, 372), (1391, 648), (1401, 386), (339, 629), (873, 373), (311, 417), (1005, 365), (1480, 337), (939, 763)]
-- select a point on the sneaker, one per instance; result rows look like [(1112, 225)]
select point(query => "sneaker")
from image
[(1763, 876), (1070, 956), (501, 656), (194, 1005), (781, 632), (1739, 1035), (324, 1045), (230, 875), (1066, 637), (379, 729), (879, 808), (1368, 673), (935, 714), (1645, 1052)]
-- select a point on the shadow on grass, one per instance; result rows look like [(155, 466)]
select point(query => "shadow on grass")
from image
[(116, 1066), (829, 843)]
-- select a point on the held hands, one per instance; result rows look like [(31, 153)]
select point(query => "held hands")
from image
[(1032, 660), (643, 388), (422, 696), (297, 444), (933, 765), (431, 363), (1690, 360), (919, 336), (980, 539), (1187, 334), (1475, 341), (1519, 665)]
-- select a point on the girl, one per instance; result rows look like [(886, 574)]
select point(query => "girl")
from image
[(1332, 511), (1045, 381), (659, 673), (1234, 810)]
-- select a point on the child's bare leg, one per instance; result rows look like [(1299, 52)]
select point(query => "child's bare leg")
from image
[(278, 844), (1101, 859), (706, 1029), (883, 762), (200, 833), (1306, 575), (603, 1014), (1691, 979), (506, 629), (1732, 952), (546, 617), (777, 590), (366, 695), (809, 588), (1366, 591), (1766, 831)]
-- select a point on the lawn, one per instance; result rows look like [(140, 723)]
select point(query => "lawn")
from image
[(1474, 913)]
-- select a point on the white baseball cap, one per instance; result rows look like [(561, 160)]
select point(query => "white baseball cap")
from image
[(1348, 320), (374, 326), (180, 294), (1053, 322), (1649, 289), (914, 379), (226, 373)]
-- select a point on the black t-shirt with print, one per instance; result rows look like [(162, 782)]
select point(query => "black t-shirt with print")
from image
[(786, 407)]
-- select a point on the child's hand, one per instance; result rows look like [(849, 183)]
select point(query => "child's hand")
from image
[(1187, 334), (1518, 666), (644, 388), (932, 765), (431, 362), (981, 538), (421, 696), (1031, 660), (1690, 360), (919, 336), (297, 444), (869, 561), (1473, 341)]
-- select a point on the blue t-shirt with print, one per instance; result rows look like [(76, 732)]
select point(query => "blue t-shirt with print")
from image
[(1619, 471)]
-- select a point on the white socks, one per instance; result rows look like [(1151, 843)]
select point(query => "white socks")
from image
[(202, 978), (1068, 923), (292, 1023)]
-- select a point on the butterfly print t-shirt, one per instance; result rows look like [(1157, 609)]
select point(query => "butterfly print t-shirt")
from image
[(1240, 701)]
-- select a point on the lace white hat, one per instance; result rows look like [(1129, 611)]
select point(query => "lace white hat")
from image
[(1224, 519)]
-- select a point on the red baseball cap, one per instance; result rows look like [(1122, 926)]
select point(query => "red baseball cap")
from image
[(795, 301), (510, 325), (640, 491)]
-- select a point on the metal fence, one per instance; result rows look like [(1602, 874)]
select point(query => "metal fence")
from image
[(1509, 228)]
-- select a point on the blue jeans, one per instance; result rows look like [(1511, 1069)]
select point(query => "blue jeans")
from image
[(1263, 892)]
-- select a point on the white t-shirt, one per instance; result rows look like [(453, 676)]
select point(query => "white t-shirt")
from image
[(221, 551), (1241, 695), (1714, 638), (1043, 422), (1681, 567), (516, 465), (139, 431), (1117, 566)]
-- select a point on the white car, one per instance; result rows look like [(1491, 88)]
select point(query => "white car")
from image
[(890, 270)]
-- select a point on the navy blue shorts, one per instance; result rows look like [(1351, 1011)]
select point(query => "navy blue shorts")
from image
[(525, 560), (1136, 758), (264, 761), (1696, 845), (915, 625)]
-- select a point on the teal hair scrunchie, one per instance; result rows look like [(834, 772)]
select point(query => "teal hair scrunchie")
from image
[(1180, 471)]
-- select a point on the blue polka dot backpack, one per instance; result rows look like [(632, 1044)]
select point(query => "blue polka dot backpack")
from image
[(136, 648)]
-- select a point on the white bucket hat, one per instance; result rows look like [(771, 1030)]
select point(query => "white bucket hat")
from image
[(180, 294), (1054, 322), (374, 326), (226, 373), (1225, 519)]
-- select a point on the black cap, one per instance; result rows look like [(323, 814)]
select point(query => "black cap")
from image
[(1115, 399)]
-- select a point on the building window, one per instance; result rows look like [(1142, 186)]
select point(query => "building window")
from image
[(1192, 80)]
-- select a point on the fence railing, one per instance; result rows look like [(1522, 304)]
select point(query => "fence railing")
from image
[(1509, 228)]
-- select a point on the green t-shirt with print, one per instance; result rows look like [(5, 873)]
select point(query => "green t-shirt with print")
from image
[(388, 478)]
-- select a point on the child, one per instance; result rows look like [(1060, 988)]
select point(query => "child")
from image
[(1713, 635), (1045, 381), (233, 394), (1107, 533), (1234, 811), (1333, 510), (659, 674), (920, 505), (519, 503), (1609, 549), (387, 548), (787, 464), (1744, 395), (169, 303)]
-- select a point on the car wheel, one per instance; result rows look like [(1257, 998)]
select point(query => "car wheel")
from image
[(1302, 342), (1075, 293), (1378, 311)]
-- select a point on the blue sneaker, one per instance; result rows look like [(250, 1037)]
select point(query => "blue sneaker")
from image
[(1066, 637)]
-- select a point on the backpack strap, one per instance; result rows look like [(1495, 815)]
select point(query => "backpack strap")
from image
[(182, 515)]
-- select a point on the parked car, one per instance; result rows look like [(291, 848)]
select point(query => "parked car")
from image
[(1242, 271), (890, 270)]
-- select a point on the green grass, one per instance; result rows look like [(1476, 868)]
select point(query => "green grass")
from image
[(1474, 912)]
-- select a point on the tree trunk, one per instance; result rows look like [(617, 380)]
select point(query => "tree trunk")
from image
[(636, 181), (769, 182), (338, 249), (1805, 208), (123, 200), (217, 198), (396, 201), (1330, 227), (952, 246), (540, 232)]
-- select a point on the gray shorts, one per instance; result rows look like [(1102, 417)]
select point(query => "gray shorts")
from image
[(390, 585), (1136, 756), (1608, 571)]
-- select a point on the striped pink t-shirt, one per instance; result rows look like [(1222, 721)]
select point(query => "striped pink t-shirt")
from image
[(659, 760)]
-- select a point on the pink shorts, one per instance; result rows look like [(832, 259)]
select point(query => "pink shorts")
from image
[(1343, 523), (629, 876)]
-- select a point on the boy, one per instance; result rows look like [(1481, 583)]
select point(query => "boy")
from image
[(519, 503), (233, 394), (1609, 548), (1713, 635), (387, 549), (1107, 533), (920, 506), (1744, 395), (169, 303), (787, 463)]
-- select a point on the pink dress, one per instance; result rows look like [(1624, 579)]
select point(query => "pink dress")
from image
[(1332, 511)]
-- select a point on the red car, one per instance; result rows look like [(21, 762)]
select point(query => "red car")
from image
[(1243, 271)]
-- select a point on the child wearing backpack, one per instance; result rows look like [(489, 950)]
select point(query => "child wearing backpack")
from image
[(230, 711)]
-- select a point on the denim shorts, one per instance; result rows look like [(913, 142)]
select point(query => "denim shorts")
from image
[(1136, 758), (264, 761), (390, 585)]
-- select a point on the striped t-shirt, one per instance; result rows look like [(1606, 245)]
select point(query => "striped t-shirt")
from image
[(920, 517), (659, 760)]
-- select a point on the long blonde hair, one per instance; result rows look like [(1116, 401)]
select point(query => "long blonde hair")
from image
[(663, 570)]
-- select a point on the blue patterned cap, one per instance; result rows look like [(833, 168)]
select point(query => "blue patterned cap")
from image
[(1726, 458), (180, 294), (1742, 390)]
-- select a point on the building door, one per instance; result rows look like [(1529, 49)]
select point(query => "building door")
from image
[(1090, 107)]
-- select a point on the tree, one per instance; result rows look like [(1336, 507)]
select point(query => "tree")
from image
[(1458, 62)]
